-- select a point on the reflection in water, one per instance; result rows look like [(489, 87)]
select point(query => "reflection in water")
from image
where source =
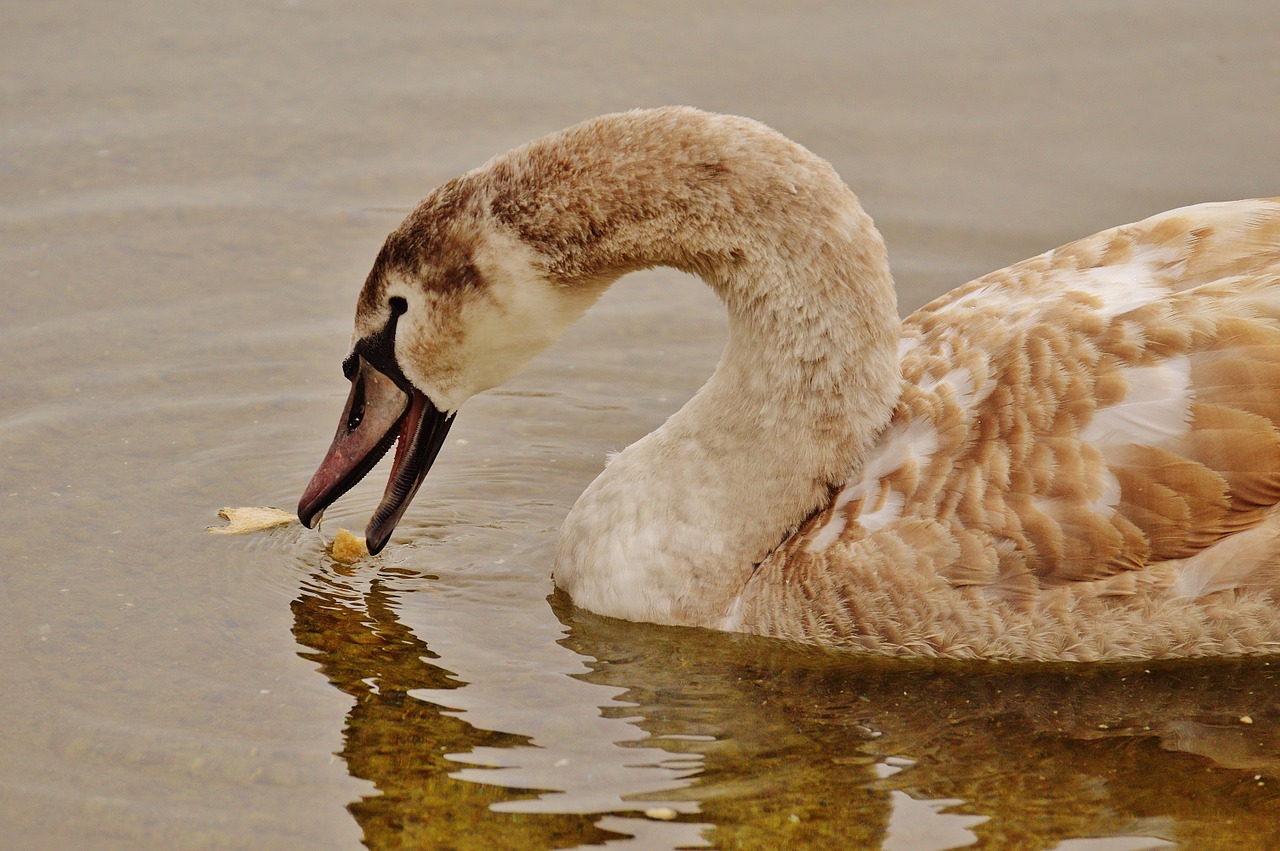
[(805, 748), (401, 743), (1040, 754)]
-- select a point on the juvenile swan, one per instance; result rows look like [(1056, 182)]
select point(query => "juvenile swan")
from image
[(1074, 458)]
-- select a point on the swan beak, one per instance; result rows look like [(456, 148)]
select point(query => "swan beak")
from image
[(379, 412)]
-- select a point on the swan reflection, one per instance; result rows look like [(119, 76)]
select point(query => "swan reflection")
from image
[(558, 733)]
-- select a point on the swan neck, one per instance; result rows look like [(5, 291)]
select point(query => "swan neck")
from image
[(672, 529)]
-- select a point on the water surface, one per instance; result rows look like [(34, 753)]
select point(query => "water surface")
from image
[(190, 195)]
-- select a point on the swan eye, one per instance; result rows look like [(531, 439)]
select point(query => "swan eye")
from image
[(398, 305)]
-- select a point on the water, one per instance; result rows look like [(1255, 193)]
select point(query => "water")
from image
[(190, 195)]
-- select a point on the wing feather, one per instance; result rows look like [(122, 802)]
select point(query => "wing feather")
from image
[(1093, 411), (1084, 463)]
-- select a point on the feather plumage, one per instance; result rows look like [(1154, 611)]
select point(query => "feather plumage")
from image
[(1121, 441)]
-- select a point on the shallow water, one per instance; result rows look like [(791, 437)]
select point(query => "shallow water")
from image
[(190, 195)]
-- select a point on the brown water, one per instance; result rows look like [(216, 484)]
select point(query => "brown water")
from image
[(190, 195)]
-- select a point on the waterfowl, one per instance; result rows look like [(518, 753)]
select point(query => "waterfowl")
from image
[(1074, 458)]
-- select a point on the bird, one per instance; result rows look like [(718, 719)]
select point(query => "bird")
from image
[(1073, 459)]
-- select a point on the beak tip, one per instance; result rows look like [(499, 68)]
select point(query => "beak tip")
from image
[(376, 539), (309, 508)]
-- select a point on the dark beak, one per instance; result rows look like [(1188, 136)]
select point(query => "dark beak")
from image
[(379, 413)]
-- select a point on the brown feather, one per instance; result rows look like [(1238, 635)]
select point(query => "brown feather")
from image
[(1018, 537)]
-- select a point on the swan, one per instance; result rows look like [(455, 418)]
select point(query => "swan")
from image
[(1075, 458)]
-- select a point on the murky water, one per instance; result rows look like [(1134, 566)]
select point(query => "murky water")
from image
[(190, 195)]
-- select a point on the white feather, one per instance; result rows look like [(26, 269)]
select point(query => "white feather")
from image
[(1125, 286), (1230, 562), (917, 442), (1156, 410)]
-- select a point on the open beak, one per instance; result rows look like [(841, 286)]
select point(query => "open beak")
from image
[(379, 413)]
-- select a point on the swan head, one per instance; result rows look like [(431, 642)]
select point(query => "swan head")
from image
[(456, 303), (495, 264)]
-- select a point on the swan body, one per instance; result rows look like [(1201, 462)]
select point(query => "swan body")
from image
[(1074, 458)]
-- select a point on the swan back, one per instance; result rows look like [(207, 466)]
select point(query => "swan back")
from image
[(1085, 453)]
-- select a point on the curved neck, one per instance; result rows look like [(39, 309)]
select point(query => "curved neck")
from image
[(672, 528)]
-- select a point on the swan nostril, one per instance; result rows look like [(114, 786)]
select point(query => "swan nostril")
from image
[(356, 415)]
